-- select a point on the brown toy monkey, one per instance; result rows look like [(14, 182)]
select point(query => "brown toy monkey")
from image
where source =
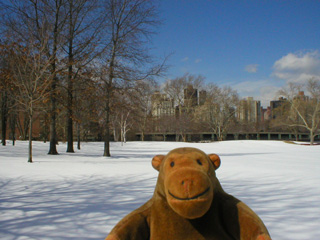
[(189, 203)]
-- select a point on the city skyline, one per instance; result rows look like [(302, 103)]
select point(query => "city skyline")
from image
[(255, 47)]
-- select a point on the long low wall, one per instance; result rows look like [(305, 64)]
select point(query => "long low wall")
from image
[(199, 137)]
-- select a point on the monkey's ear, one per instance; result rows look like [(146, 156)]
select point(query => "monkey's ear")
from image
[(215, 159), (156, 161)]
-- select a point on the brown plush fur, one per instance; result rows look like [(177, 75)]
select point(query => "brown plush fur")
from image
[(189, 203)]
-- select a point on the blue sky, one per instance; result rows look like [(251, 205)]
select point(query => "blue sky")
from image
[(255, 46)]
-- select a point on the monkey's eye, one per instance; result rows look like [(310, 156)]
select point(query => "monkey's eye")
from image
[(172, 164), (199, 162)]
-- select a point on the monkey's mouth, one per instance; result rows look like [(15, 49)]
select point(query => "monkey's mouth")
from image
[(190, 198)]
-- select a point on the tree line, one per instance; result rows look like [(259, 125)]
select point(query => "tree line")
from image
[(66, 60)]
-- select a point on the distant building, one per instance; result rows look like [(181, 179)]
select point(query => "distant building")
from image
[(194, 97), (202, 97), (302, 97), (162, 105), (190, 97), (265, 114), (275, 107), (249, 110)]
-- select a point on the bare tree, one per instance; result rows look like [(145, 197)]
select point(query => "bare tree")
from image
[(84, 25), (30, 69), (114, 122), (58, 17), (141, 97), (87, 108), (40, 19), (67, 28), (129, 25), (121, 123), (302, 111), (4, 87), (125, 125), (8, 93), (121, 117), (4, 115), (218, 112)]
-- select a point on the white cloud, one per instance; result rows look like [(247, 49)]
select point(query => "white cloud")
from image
[(298, 67), (251, 68), (185, 59), (198, 60), (262, 90)]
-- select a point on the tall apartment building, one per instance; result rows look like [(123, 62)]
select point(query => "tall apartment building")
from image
[(190, 97), (302, 97), (265, 114), (161, 105), (276, 104), (202, 96), (194, 97), (249, 110)]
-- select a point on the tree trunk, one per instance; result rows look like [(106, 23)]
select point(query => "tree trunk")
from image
[(53, 131), (311, 137), (219, 134), (4, 117), (78, 136), (69, 116), (12, 123), (184, 137), (108, 99), (143, 127), (30, 139), (70, 136), (115, 134), (107, 134), (70, 86), (70, 113), (106, 152), (26, 123)]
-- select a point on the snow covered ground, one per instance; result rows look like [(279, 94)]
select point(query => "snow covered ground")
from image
[(83, 195)]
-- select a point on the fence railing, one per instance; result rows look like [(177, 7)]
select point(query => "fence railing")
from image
[(205, 136)]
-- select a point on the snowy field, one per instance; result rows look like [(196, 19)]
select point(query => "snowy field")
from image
[(83, 195)]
